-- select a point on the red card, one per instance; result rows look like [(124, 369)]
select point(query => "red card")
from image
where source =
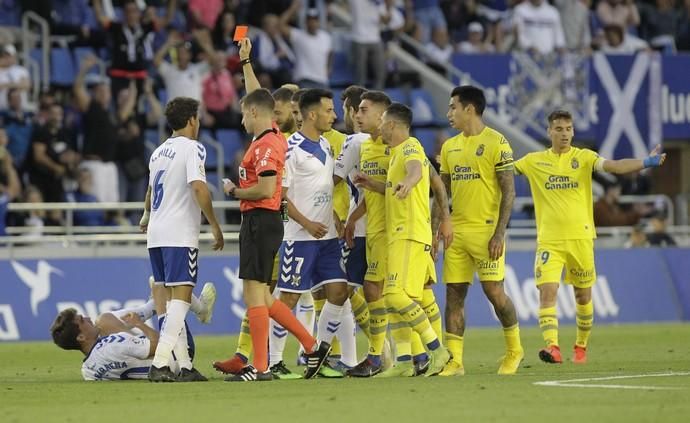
[(240, 32)]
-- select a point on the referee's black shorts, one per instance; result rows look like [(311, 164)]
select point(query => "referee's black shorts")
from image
[(261, 234)]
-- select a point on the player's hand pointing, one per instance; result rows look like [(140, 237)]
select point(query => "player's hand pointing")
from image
[(402, 190)]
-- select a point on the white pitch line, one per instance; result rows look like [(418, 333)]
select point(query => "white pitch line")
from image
[(573, 383)]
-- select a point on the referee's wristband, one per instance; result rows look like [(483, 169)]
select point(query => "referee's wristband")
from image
[(245, 62)]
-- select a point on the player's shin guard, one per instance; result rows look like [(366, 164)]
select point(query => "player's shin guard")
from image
[(548, 323), (432, 311), (401, 332), (378, 324), (347, 336), (413, 314), (455, 344), (276, 343), (584, 317), (329, 322), (244, 341), (173, 325), (361, 311)]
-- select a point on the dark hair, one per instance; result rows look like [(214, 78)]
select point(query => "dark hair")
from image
[(352, 96), (312, 97), (378, 97), (559, 114), (400, 113), (297, 95), (468, 94), (65, 330), (179, 110), (283, 94), (260, 98), (12, 91)]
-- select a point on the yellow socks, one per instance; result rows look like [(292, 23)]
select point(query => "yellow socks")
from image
[(244, 342), (401, 333), (378, 323), (512, 338), (361, 311), (432, 312), (413, 314), (584, 316), (455, 344), (548, 322)]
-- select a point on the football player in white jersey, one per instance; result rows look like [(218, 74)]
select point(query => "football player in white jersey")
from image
[(176, 196), (119, 346), (310, 253)]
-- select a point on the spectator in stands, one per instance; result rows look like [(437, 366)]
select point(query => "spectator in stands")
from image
[(19, 125), (660, 24), (539, 28), (10, 21), (439, 51), (204, 13), (659, 237), (313, 49), (575, 17), (131, 148), (10, 186), (617, 41), (475, 40), (36, 219), (222, 41), (623, 13), (69, 17), (184, 78), (54, 156), (393, 22), (274, 55), (638, 239), (84, 194), (100, 133), (608, 211), (683, 38), (428, 16), (131, 43), (12, 75), (367, 48), (220, 96)]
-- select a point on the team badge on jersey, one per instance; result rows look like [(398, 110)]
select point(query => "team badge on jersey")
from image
[(480, 150), (243, 173), (387, 152), (575, 164)]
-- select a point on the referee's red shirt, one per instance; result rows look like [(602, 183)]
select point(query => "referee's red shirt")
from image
[(266, 153)]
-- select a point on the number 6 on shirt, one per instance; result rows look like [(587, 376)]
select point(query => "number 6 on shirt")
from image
[(157, 190)]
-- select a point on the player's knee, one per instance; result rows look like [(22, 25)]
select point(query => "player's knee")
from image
[(583, 295), (290, 299), (338, 296), (372, 291), (548, 294), (494, 292)]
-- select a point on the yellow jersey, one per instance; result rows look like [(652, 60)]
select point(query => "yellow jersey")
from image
[(287, 134), (472, 163), (561, 186), (374, 157), (341, 195), (409, 218)]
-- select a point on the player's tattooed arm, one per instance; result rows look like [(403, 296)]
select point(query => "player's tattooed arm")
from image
[(507, 184)]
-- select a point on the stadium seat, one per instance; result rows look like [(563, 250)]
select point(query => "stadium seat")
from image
[(423, 108), (232, 141), (522, 187), (163, 96), (151, 135), (62, 69), (338, 103), (79, 54), (342, 74), (398, 95), (427, 136), (211, 153)]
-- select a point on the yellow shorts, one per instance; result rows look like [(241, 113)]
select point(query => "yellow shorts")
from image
[(469, 253), (410, 267), (377, 252), (276, 266), (576, 255)]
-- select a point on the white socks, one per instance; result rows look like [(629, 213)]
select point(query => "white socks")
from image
[(170, 333), (145, 311), (347, 336), (305, 314), (329, 322), (276, 343)]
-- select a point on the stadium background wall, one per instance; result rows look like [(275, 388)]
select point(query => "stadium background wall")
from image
[(645, 285)]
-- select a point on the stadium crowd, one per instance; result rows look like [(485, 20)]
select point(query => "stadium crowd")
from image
[(85, 141)]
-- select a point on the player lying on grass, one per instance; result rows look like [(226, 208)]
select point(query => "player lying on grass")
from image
[(119, 345)]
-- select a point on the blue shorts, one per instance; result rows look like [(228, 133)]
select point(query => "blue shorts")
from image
[(355, 260), (174, 265), (308, 265)]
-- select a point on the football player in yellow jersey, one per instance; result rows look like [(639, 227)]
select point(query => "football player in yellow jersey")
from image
[(409, 237), (477, 169), (561, 182)]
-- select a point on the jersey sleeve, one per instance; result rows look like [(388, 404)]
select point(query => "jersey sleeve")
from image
[(503, 156), (521, 165), (348, 159), (592, 159), (289, 171), (444, 158), (196, 159), (266, 158), (413, 151)]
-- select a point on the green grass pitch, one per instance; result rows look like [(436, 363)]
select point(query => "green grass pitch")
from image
[(40, 383)]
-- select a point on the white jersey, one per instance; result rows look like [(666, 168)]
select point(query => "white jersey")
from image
[(346, 166), (118, 356), (175, 215), (308, 176)]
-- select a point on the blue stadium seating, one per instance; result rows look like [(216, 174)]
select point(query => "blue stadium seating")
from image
[(211, 153), (427, 136), (79, 54), (338, 103), (398, 95), (62, 69), (423, 108), (342, 74), (232, 141)]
